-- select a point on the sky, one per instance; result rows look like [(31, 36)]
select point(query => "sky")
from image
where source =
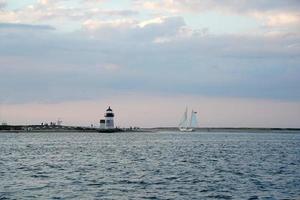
[(237, 63)]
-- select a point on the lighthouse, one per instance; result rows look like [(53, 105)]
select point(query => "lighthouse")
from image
[(109, 119)]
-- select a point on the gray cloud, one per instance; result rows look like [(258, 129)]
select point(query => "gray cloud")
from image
[(51, 11), (261, 5), (240, 6), (272, 16), (51, 66), (25, 26), (2, 4)]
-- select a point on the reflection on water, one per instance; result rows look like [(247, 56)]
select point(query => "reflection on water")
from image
[(150, 166)]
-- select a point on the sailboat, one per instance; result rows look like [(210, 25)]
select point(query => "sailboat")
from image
[(186, 125)]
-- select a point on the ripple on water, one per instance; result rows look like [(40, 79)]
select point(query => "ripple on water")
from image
[(150, 166)]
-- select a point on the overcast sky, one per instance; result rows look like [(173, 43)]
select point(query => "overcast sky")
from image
[(236, 62)]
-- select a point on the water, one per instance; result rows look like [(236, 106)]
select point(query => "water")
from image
[(150, 166)]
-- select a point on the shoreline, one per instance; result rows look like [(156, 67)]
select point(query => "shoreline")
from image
[(63, 129), (234, 129), (54, 129)]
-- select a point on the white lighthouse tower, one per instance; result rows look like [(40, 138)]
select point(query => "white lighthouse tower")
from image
[(109, 119)]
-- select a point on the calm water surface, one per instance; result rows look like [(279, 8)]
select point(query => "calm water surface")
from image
[(150, 166)]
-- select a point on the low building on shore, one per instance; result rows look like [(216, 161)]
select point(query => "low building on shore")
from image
[(102, 123)]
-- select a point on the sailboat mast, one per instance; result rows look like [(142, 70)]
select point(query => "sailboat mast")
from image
[(186, 117)]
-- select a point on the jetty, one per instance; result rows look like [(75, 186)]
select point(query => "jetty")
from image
[(59, 128)]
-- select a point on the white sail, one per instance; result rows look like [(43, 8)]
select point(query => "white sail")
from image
[(184, 120), (193, 122), (186, 125)]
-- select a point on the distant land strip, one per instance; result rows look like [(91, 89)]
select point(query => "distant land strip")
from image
[(231, 129), (56, 128)]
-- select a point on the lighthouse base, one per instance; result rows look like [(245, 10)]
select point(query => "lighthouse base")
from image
[(113, 130)]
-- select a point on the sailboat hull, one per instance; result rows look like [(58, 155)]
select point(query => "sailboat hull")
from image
[(186, 129)]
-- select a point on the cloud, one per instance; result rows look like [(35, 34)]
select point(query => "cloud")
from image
[(25, 26), (276, 15), (128, 30), (126, 57), (278, 19), (112, 67), (232, 5), (94, 25), (58, 11), (158, 20), (2, 4)]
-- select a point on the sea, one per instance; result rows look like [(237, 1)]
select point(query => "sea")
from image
[(161, 165)]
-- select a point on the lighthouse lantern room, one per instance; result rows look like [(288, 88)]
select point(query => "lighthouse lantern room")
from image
[(109, 119)]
